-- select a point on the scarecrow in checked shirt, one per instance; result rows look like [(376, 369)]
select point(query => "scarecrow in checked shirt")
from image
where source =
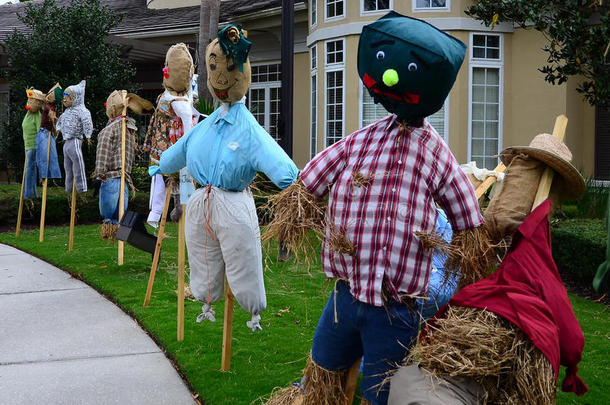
[(173, 117), (223, 153), (109, 156), (74, 123), (383, 183)]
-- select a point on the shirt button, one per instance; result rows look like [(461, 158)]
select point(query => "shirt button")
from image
[(389, 219), (393, 190), (385, 248), (400, 162)]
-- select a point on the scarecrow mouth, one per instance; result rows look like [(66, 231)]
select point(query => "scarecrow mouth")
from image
[(221, 94), (371, 84)]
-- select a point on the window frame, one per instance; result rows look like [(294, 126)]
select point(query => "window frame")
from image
[(336, 17), (364, 12), (266, 86), (313, 11), (313, 101), (416, 9), (329, 68), (486, 63)]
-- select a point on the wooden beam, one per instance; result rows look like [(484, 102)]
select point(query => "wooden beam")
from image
[(227, 329), (546, 180), (181, 268), (20, 211), (72, 216)]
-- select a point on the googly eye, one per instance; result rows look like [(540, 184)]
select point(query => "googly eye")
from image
[(412, 67), (380, 55)]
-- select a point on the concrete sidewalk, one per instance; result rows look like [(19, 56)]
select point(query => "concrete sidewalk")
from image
[(63, 343)]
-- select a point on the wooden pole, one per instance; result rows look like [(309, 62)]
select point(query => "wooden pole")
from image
[(181, 267), (482, 188), (122, 192), (546, 180), (227, 329), (352, 381), (72, 216), (155, 263), (43, 210), (25, 166)]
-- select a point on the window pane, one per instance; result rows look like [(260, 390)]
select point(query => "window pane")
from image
[(478, 52), (478, 40), (493, 76), (493, 93), (493, 41), (492, 112), (493, 53), (477, 129), (478, 93), (439, 3), (478, 111), (491, 148), (478, 76), (423, 3), (477, 147)]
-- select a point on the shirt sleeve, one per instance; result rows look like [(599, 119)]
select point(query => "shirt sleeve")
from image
[(324, 168), (455, 194), (103, 155), (174, 158), (269, 157), (87, 124)]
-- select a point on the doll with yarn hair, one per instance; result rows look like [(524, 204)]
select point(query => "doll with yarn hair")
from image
[(223, 154), (173, 117), (109, 156)]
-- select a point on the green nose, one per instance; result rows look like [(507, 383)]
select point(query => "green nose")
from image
[(390, 77)]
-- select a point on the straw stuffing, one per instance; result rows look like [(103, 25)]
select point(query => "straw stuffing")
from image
[(475, 343), (294, 212)]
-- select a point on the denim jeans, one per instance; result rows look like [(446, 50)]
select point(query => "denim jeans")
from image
[(110, 198), (384, 335), (29, 188), (43, 146)]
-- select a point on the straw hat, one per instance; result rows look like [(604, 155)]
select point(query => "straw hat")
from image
[(555, 154), (36, 94), (114, 103)]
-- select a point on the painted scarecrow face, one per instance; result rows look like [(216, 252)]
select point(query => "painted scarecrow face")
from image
[(408, 65), (68, 98), (178, 69), (34, 105), (225, 81)]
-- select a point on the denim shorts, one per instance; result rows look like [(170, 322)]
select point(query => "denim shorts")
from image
[(383, 335), (109, 199)]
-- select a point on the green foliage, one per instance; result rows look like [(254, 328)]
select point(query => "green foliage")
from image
[(592, 204), (579, 246), (205, 107), (578, 33), (58, 206), (65, 45), (140, 177)]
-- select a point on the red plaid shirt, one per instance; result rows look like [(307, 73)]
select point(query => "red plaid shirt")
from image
[(383, 188)]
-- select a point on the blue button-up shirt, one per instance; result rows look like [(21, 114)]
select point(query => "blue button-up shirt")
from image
[(226, 152)]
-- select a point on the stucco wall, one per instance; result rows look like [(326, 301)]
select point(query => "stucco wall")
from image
[(301, 115)]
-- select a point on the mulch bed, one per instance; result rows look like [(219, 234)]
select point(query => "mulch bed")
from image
[(582, 288)]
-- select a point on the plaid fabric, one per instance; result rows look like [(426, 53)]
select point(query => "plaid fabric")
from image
[(108, 156), (383, 182)]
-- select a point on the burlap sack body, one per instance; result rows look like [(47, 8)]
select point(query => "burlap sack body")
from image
[(513, 202)]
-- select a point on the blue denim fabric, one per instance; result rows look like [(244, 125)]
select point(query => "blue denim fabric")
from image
[(109, 199), (383, 335), (440, 290), (51, 171), (29, 190)]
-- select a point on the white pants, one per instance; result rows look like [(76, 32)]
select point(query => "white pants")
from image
[(223, 238)]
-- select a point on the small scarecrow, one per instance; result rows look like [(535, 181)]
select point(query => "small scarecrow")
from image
[(46, 149), (223, 154), (74, 123), (173, 117), (109, 156), (31, 125), (503, 338), (383, 182)]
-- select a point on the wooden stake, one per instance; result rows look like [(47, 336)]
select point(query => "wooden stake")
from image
[(43, 210), (227, 329), (25, 166), (181, 265), (155, 263), (72, 216), (122, 192), (546, 180), (489, 181), (352, 381)]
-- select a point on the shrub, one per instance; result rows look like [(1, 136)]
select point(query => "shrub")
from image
[(579, 246)]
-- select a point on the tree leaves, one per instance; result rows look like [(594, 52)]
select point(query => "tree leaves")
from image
[(578, 32)]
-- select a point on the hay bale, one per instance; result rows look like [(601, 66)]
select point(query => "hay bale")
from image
[(475, 343)]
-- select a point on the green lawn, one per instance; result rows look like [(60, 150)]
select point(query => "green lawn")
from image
[(261, 361)]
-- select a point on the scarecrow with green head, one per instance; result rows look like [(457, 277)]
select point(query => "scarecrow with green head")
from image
[(383, 183)]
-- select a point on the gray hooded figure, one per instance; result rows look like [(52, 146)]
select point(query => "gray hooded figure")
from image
[(73, 124)]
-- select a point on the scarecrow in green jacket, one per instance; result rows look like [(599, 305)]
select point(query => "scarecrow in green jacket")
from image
[(383, 184)]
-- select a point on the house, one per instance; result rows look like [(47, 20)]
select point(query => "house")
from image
[(499, 99)]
